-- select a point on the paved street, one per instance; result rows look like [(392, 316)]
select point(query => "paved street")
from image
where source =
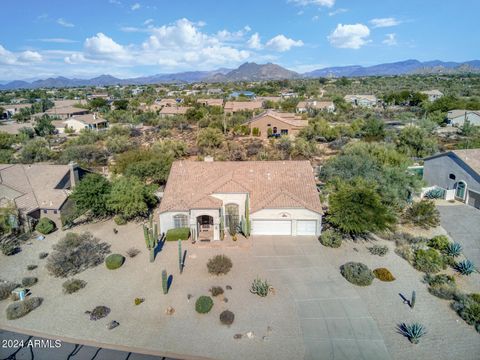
[(462, 223), (334, 320)]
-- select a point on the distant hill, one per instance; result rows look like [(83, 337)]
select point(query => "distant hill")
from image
[(251, 71), (398, 68)]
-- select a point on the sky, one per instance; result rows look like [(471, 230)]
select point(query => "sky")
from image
[(130, 38)]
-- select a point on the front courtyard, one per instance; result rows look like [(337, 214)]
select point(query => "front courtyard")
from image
[(312, 312)]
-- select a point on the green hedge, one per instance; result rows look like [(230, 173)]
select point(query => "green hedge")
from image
[(45, 226), (178, 234)]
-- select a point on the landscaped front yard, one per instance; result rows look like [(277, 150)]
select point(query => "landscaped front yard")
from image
[(312, 312)]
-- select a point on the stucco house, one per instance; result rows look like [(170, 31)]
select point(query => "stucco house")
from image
[(38, 190), (315, 105), (236, 106), (458, 173), (361, 100), (173, 111), (210, 102), (459, 117), (432, 94), (275, 124), (274, 197), (80, 122)]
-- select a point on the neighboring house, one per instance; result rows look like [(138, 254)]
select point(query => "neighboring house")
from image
[(458, 172), (65, 112), (12, 109), (210, 102), (236, 106), (173, 110), (459, 117), (38, 190), (274, 124), (246, 93), (214, 91), (12, 127), (361, 100), (81, 122), (168, 102), (432, 94), (315, 105), (287, 94), (274, 99), (279, 198)]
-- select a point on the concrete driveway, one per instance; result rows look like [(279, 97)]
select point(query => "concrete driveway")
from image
[(462, 222), (334, 321)]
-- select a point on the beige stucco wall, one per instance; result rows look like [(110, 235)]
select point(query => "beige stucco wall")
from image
[(262, 124)]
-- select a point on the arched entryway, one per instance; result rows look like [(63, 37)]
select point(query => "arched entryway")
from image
[(460, 190), (205, 227)]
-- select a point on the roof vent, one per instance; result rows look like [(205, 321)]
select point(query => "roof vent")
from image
[(208, 159)]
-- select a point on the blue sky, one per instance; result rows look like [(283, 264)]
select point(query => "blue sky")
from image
[(143, 37)]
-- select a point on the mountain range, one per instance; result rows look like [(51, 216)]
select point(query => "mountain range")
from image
[(258, 72)]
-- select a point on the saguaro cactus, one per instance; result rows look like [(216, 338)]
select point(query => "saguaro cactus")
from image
[(414, 298), (151, 237), (165, 281), (180, 262)]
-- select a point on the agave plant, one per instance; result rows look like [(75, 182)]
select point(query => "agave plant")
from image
[(260, 287), (465, 267), (412, 331), (453, 249)]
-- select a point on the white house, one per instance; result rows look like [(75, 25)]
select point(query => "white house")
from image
[(278, 198), (432, 94), (312, 105), (81, 122), (458, 117), (361, 100)]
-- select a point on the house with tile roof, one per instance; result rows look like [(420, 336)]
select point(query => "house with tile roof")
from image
[(38, 190), (275, 124), (460, 117), (236, 106), (78, 123), (274, 197), (315, 105), (457, 172), (361, 100)]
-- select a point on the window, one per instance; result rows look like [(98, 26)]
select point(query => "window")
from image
[(274, 129), (284, 131), (180, 220), (45, 211), (231, 214), (452, 176), (269, 124), (55, 211)]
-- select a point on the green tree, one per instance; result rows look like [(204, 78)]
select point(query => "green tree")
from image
[(44, 126), (416, 142), (91, 195), (121, 104), (36, 150), (356, 208), (98, 104), (209, 138), (130, 198)]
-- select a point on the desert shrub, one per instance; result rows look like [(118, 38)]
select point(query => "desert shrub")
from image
[(453, 249), (331, 238), (428, 261), (444, 291), (138, 301), (31, 267), (379, 250), (29, 281), (219, 264), (357, 273), (260, 287), (42, 255), (405, 252), (383, 274), (45, 226), (114, 261), (227, 317), (423, 214), (216, 290), (468, 308), (178, 234), (73, 285), (18, 309), (412, 331), (439, 242), (440, 279), (203, 304), (436, 193), (98, 313), (76, 253), (465, 267), (119, 220), (9, 249), (132, 252), (6, 287), (402, 238)]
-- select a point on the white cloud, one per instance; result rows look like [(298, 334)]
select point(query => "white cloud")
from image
[(282, 43), (135, 6), (30, 56), (148, 22), (64, 23), (26, 57), (390, 39), (338, 11), (384, 22), (247, 28), (326, 3), (254, 42), (7, 57), (57, 40), (349, 36), (102, 46)]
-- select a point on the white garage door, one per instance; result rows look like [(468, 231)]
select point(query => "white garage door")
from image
[(306, 227), (271, 227)]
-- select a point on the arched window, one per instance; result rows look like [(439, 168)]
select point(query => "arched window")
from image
[(275, 129), (180, 220), (231, 214)]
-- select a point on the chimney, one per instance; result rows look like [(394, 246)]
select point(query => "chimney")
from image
[(73, 173)]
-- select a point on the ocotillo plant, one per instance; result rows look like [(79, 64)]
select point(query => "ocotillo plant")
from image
[(414, 298), (180, 263), (165, 281)]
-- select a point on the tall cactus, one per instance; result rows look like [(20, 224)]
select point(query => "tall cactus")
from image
[(247, 218), (414, 298), (165, 281), (151, 237), (180, 263)]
